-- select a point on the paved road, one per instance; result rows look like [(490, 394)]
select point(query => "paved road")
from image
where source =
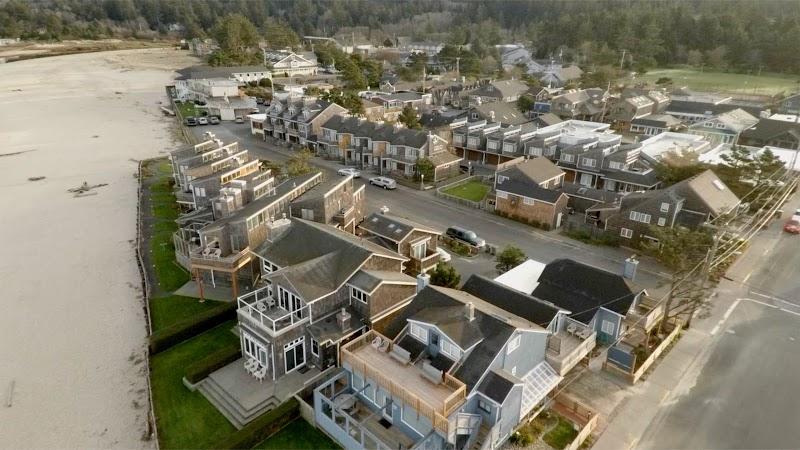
[(426, 208), (744, 389)]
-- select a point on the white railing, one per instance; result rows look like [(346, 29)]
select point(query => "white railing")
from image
[(259, 310)]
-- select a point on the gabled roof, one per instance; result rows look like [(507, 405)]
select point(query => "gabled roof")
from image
[(713, 109), (392, 228), (737, 120), (537, 170), (580, 191), (513, 301), (767, 129), (518, 184), (498, 384), (583, 289), (716, 196), (377, 132), (369, 280), (491, 326)]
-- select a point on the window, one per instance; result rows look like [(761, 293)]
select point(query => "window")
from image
[(358, 294), (626, 233), (290, 302), (502, 194), (615, 165), (608, 327), (588, 162), (527, 200), (492, 145), (254, 349), (484, 406), (662, 221), (458, 138), (419, 250), (664, 207), (419, 332), (708, 124), (472, 141), (294, 354), (314, 347), (536, 151), (509, 148), (640, 217), (268, 267), (449, 349), (513, 344), (568, 158)]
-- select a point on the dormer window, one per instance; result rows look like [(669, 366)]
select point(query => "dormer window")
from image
[(358, 294), (419, 332), (449, 349)]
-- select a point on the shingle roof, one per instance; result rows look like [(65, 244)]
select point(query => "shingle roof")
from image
[(518, 303), (391, 227), (497, 385), (689, 107), (583, 289), (716, 196), (505, 113), (600, 195), (494, 326), (369, 280), (537, 170), (766, 129), (518, 185), (377, 132), (656, 120)]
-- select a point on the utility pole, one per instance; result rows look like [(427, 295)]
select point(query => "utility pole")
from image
[(706, 270), (622, 60), (458, 67)]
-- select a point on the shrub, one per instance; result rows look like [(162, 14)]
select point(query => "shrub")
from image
[(521, 438), (217, 360), (535, 223), (459, 248), (263, 427), (545, 226), (185, 329)]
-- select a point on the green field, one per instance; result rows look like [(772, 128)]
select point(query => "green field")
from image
[(473, 190), (187, 109), (766, 84), (298, 435)]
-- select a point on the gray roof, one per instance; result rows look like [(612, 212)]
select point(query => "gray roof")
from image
[(583, 289), (505, 113), (656, 120), (328, 329), (519, 184), (377, 132), (537, 170), (392, 228), (767, 129), (523, 305), (199, 72), (498, 384), (438, 119), (600, 195), (503, 88), (317, 259), (369, 280), (689, 107)]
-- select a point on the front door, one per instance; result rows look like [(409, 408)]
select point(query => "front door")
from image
[(385, 403)]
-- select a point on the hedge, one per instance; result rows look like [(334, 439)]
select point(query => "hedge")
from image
[(217, 360), (262, 427), (175, 334)]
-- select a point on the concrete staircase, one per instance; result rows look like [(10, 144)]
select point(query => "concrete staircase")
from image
[(234, 411)]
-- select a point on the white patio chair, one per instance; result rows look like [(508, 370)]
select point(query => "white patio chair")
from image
[(261, 306)]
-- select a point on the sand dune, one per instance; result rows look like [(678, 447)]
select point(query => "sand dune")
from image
[(72, 332)]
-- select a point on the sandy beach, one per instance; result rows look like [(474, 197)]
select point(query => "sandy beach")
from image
[(72, 331)]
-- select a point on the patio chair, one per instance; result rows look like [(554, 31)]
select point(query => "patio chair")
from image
[(261, 306), (572, 328), (250, 365)]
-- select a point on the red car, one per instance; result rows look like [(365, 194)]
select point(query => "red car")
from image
[(792, 226)]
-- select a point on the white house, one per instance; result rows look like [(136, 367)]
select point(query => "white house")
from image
[(290, 64)]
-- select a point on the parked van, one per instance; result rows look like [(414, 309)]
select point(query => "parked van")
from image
[(465, 235)]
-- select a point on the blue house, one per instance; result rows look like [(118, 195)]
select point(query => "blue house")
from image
[(453, 369)]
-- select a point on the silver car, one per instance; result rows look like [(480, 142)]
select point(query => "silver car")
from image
[(384, 182), (349, 171)]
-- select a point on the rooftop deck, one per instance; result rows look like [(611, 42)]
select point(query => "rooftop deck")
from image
[(406, 381), (569, 345)]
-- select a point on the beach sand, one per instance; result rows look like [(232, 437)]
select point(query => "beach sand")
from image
[(72, 329)]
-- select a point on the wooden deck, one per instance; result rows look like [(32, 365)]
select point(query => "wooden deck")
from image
[(408, 376)]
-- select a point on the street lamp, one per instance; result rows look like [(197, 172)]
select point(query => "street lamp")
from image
[(422, 182)]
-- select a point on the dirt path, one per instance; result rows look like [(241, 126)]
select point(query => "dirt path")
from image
[(73, 332)]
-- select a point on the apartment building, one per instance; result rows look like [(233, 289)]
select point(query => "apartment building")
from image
[(294, 120)]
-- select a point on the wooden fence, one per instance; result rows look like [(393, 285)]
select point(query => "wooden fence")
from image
[(461, 201), (580, 415), (636, 375)]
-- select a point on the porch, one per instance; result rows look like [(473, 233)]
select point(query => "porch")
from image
[(260, 310), (353, 422), (240, 397), (645, 314), (570, 344), (425, 263)]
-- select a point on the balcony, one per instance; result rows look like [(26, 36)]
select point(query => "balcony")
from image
[(211, 258), (646, 314), (416, 265), (279, 128), (406, 381), (260, 311), (569, 345), (352, 422)]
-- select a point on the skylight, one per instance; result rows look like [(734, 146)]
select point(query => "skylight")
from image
[(719, 185)]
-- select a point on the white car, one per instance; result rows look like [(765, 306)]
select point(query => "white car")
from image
[(443, 255), (349, 171), (202, 121), (384, 182)]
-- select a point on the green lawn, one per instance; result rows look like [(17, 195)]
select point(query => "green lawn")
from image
[(298, 435), (187, 109), (472, 190), (562, 435), (186, 419), (165, 210), (166, 311), (766, 84)]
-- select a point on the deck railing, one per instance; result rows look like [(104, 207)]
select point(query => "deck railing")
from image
[(253, 309), (211, 259), (437, 416)]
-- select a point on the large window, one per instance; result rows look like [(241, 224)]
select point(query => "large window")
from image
[(419, 332), (290, 302), (588, 162), (255, 349), (486, 407), (608, 327), (627, 233), (449, 349), (664, 207), (419, 250), (358, 294), (294, 354), (640, 217), (528, 201)]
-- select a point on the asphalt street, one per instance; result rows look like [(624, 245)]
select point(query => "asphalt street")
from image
[(424, 207), (744, 390)]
